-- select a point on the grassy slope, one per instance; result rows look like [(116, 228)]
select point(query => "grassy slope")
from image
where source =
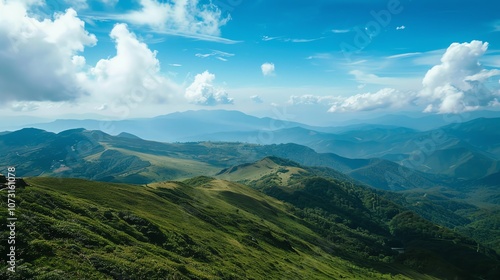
[(201, 229), (264, 167), (362, 202)]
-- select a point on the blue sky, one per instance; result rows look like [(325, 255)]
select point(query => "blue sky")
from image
[(319, 60)]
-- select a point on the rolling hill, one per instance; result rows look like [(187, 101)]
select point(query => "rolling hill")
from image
[(204, 228), (459, 209)]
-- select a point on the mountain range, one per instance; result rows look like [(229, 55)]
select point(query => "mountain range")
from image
[(229, 191), (462, 147)]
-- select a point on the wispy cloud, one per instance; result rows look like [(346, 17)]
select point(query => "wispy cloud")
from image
[(256, 99), (496, 26), (186, 18), (291, 40), (399, 82), (268, 38), (358, 62), (323, 56), (403, 55), (340, 31), (303, 40), (429, 58), (402, 27), (220, 55)]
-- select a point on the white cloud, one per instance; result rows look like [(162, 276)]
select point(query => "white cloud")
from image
[(268, 38), (256, 99), (321, 56), (24, 106), (458, 83), (77, 4), (301, 40), (404, 55), (37, 57), (382, 99), (181, 17), (109, 2), (203, 92), (309, 99), (268, 69), (130, 76), (402, 27), (340, 31), (220, 55), (293, 40)]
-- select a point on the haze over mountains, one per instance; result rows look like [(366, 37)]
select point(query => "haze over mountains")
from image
[(174, 126), (465, 148)]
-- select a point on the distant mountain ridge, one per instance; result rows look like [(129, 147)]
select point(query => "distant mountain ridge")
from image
[(176, 126), (99, 156)]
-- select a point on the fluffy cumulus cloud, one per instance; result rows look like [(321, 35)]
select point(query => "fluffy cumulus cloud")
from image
[(132, 75), (39, 58), (42, 62), (268, 69), (382, 99), (459, 82), (185, 17), (203, 91)]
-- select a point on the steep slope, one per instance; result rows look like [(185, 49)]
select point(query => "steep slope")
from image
[(334, 206), (199, 229)]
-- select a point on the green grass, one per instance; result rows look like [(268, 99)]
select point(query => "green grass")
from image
[(262, 168), (78, 229)]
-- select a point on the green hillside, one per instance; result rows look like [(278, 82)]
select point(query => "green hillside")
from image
[(79, 229), (445, 207), (199, 229), (282, 171)]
